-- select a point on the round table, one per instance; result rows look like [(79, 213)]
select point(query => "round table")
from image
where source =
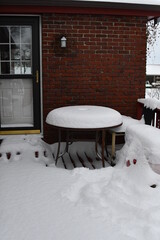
[(84, 118)]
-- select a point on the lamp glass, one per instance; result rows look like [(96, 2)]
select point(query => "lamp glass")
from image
[(63, 42)]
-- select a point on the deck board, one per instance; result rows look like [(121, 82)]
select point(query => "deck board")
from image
[(90, 161), (64, 162), (81, 154), (71, 161)]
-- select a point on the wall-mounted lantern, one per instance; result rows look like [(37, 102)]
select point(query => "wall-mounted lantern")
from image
[(63, 42)]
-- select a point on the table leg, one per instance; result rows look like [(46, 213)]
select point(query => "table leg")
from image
[(101, 156), (96, 147), (59, 144), (103, 146), (58, 155), (113, 145)]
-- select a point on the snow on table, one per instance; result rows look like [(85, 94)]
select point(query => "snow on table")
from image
[(84, 117)]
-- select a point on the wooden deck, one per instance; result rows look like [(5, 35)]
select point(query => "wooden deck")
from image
[(81, 155), (70, 161)]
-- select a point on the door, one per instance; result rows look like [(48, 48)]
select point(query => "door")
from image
[(20, 110)]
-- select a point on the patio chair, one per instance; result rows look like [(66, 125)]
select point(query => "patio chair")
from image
[(120, 131), (147, 118)]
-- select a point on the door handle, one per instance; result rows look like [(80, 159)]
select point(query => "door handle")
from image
[(37, 76)]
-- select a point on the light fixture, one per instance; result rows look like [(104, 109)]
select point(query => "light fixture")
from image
[(63, 42)]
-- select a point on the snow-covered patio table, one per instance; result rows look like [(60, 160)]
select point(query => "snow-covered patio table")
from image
[(84, 118)]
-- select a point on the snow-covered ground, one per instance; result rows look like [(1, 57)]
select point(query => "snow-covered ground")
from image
[(51, 203), (153, 93)]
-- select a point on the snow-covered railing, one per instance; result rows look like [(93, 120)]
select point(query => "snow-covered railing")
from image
[(153, 104)]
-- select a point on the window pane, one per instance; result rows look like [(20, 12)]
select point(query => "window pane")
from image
[(26, 51), (15, 51), (15, 34), (16, 55), (4, 52), (26, 35), (5, 68), (15, 67), (26, 67), (16, 103), (4, 35)]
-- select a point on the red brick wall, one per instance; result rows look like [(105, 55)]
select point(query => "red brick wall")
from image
[(104, 62)]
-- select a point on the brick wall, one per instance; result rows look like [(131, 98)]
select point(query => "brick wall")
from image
[(104, 62)]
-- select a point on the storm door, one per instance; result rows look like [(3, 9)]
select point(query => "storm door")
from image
[(19, 75)]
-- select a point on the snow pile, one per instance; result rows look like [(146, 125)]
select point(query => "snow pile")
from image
[(120, 198), (39, 202), (15, 147), (151, 103), (127, 121), (84, 117), (149, 140)]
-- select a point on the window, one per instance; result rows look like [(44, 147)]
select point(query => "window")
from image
[(15, 50)]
